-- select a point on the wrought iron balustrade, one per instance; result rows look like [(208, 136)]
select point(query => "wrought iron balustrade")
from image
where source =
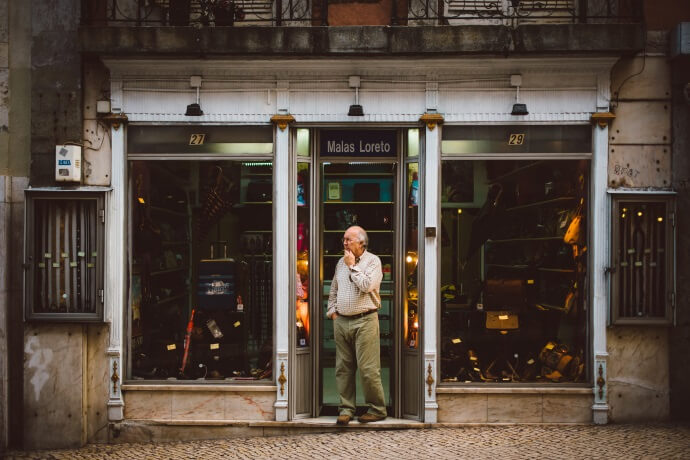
[(211, 13)]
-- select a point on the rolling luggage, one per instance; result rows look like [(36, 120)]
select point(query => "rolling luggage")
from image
[(217, 288)]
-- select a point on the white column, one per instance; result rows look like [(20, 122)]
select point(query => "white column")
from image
[(281, 267), (600, 260), (115, 260), (600, 250), (432, 168)]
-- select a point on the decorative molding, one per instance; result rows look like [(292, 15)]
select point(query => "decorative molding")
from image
[(431, 120), (282, 379), (603, 119), (430, 379), (600, 381), (114, 119), (282, 121), (115, 378)]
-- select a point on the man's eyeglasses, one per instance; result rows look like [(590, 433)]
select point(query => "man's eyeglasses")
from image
[(347, 240)]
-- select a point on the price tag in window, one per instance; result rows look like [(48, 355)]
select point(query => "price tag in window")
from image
[(197, 139), (41, 265), (516, 139), (47, 255), (171, 347), (72, 264), (530, 281), (531, 361), (81, 254), (550, 345), (56, 264), (237, 324), (456, 340), (214, 346), (64, 255)]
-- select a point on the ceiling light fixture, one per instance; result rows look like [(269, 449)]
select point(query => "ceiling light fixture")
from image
[(194, 110), (356, 110), (518, 108)]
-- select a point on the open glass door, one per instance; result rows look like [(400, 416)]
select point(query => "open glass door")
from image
[(411, 355), (360, 193)]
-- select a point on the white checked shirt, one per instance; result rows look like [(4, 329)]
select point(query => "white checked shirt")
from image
[(356, 291)]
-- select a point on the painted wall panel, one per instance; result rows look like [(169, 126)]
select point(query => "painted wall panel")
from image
[(641, 122), (53, 386), (638, 373), (639, 166), (641, 78)]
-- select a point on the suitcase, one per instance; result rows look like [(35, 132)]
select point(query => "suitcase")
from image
[(217, 283)]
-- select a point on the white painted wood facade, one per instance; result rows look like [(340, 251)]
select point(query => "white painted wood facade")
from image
[(393, 92)]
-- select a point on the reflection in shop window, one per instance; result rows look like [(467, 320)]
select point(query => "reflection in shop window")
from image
[(202, 270), (513, 267)]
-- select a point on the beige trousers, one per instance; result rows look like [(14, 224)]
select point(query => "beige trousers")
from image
[(357, 345)]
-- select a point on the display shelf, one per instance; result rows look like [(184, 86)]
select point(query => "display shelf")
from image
[(368, 231), (359, 174), (340, 255), (169, 300), (168, 270), (514, 172), (517, 240), (525, 267), (538, 204), (167, 211), (357, 202), (174, 243)]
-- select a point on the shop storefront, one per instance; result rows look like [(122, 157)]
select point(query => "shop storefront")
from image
[(486, 223)]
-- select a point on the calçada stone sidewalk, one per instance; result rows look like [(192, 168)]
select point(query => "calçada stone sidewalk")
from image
[(472, 442)]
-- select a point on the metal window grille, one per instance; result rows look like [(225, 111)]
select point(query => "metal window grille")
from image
[(64, 256), (643, 260)]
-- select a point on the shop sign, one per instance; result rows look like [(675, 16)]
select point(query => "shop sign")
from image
[(359, 143)]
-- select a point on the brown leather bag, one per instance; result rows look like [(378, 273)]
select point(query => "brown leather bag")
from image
[(502, 293)]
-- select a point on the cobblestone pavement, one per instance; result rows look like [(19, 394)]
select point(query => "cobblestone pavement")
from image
[(472, 442)]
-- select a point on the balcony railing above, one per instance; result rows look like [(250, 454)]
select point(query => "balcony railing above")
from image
[(215, 13)]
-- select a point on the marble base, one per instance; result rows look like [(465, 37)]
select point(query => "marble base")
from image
[(199, 405), (515, 408)]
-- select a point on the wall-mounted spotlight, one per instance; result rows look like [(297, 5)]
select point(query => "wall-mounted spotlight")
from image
[(194, 110), (356, 110), (518, 108)]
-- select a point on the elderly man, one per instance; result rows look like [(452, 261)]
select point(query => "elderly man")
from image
[(353, 303)]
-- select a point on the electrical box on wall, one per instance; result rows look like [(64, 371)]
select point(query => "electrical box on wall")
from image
[(67, 163)]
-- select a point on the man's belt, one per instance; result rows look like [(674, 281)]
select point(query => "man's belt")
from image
[(360, 315)]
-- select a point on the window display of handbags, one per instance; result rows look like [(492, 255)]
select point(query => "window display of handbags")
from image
[(518, 259)]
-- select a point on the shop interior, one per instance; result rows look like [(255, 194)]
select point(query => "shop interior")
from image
[(201, 274), (514, 271)]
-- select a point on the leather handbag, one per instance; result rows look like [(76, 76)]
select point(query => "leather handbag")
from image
[(503, 320), (501, 293)]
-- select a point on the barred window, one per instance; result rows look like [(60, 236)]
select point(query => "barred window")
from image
[(64, 256), (642, 260)]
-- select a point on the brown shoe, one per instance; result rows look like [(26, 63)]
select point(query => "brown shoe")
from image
[(343, 419), (366, 418)]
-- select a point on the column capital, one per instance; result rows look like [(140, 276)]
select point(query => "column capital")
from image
[(603, 119), (282, 120), (431, 120)]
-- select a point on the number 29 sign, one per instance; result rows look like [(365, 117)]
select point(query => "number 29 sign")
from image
[(516, 139)]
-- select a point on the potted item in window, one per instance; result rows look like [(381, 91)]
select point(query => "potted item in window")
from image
[(334, 191)]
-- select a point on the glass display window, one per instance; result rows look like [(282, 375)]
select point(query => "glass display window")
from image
[(514, 271), (201, 270)]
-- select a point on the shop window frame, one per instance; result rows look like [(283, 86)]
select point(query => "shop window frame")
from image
[(582, 151), (32, 255), (238, 152), (617, 317)]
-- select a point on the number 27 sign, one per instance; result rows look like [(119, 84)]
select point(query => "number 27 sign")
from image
[(197, 139)]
